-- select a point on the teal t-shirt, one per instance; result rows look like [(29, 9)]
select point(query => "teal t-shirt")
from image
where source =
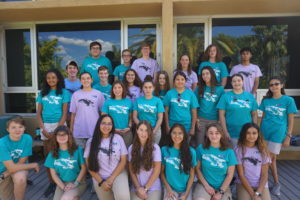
[(208, 103), (120, 71), (180, 107), (214, 164), (104, 89), (53, 105), (219, 68), (171, 160), (148, 109), (119, 110), (238, 108), (14, 150), (275, 123), (66, 166), (91, 65)]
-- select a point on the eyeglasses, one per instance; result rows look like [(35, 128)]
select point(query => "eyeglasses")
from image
[(126, 55), (104, 124), (95, 48), (178, 97), (274, 84), (177, 134)]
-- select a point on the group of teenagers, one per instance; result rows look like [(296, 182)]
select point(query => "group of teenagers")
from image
[(140, 139)]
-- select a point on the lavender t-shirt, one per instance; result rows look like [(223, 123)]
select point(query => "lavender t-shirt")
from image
[(143, 176), (252, 162), (145, 67), (134, 93), (86, 105), (108, 165), (190, 79), (249, 74)]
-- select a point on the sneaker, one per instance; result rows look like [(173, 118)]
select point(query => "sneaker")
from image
[(276, 189), (50, 190)]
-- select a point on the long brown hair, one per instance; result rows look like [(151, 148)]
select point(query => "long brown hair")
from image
[(179, 66), (157, 86), (206, 53), (259, 143), (202, 84), (224, 143), (71, 142), (112, 94), (144, 159), (270, 93)]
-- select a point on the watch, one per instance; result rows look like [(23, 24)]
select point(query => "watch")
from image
[(289, 135), (222, 192), (100, 183), (258, 194), (2, 177), (146, 189)]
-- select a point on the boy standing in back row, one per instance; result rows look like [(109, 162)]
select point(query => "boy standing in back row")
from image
[(92, 63), (145, 65), (249, 71)]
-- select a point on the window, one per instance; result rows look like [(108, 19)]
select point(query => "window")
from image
[(20, 103), (137, 34), (60, 43), (274, 41), (190, 40), (18, 57)]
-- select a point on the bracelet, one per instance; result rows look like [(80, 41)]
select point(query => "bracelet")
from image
[(289, 135), (76, 183), (146, 189), (100, 183)]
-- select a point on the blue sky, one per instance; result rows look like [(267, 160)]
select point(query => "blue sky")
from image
[(236, 31), (74, 45)]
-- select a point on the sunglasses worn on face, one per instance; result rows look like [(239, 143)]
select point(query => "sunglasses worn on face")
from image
[(274, 84)]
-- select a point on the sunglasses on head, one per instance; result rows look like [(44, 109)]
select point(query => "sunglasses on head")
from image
[(274, 84)]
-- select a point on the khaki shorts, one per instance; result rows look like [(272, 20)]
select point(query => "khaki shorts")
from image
[(7, 189), (49, 127), (119, 190), (200, 192), (78, 190), (157, 136), (244, 195), (81, 142), (154, 195), (274, 147)]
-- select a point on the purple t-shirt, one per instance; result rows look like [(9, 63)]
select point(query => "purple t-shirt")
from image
[(86, 105), (108, 165), (190, 79), (249, 74), (145, 67), (134, 93), (252, 162), (143, 176)]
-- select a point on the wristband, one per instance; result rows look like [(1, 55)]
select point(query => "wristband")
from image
[(222, 192), (146, 189), (2, 177), (258, 194), (100, 183), (76, 183)]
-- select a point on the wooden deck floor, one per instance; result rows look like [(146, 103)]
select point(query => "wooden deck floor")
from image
[(289, 174)]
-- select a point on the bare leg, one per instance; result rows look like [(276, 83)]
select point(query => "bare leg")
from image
[(274, 168), (20, 182)]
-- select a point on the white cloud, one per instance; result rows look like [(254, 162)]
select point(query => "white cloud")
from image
[(67, 59), (60, 50), (106, 46)]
